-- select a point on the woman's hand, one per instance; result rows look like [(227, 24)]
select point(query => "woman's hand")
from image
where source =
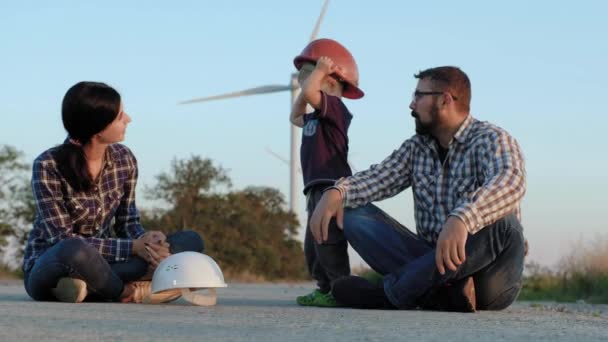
[(157, 253), (154, 236), (152, 247)]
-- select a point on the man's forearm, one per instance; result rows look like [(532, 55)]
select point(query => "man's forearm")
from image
[(491, 202), (379, 182)]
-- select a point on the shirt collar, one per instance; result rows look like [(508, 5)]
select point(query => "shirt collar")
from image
[(112, 154), (462, 133)]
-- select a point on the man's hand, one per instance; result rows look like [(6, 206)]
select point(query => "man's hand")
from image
[(329, 206), (450, 251)]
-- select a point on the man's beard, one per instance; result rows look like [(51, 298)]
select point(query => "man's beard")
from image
[(426, 128)]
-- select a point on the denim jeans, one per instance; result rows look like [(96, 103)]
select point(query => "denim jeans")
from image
[(76, 258), (327, 261), (494, 257)]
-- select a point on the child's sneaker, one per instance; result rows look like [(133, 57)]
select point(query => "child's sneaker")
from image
[(70, 290), (308, 299), (318, 298)]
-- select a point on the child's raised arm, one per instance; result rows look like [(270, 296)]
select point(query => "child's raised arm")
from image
[(311, 89), (297, 111)]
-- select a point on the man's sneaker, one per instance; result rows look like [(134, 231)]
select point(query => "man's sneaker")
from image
[(358, 292), (318, 298), (458, 296), (70, 290), (142, 293)]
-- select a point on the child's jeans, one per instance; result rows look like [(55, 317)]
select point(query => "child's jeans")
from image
[(327, 261)]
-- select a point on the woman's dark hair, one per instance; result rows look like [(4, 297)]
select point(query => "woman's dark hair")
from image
[(87, 108)]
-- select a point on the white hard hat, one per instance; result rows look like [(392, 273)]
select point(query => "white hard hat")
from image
[(189, 271)]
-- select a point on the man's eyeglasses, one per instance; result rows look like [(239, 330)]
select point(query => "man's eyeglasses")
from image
[(417, 95)]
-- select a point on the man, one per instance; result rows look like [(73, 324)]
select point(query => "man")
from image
[(468, 178)]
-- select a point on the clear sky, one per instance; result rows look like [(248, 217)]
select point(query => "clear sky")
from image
[(538, 69)]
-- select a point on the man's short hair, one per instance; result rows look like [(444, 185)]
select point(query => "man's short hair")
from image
[(452, 80)]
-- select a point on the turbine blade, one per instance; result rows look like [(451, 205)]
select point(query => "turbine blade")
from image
[(278, 156), (313, 36), (247, 92), (281, 158)]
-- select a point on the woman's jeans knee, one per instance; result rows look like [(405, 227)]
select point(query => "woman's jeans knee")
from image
[(186, 241), (72, 258)]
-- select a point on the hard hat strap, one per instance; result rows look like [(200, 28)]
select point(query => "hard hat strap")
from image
[(198, 298)]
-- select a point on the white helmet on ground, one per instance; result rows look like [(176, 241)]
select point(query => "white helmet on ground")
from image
[(190, 272)]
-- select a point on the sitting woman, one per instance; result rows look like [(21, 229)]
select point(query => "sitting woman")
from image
[(87, 239)]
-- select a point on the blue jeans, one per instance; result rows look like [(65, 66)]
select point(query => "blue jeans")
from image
[(76, 258), (494, 258)]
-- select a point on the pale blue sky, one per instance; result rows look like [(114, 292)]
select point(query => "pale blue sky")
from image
[(538, 69)]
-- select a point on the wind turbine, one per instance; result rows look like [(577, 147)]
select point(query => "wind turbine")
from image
[(294, 87)]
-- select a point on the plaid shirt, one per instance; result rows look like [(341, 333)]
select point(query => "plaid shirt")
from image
[(105, 217), (481, 180)]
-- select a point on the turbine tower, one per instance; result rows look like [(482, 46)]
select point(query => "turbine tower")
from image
[(294, 87)]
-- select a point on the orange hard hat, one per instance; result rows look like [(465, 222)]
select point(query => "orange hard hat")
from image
[(348, 70)]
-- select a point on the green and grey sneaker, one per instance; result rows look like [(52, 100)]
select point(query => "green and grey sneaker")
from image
[(318, 298), (308, 300)]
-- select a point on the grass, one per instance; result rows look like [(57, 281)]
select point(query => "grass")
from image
[(242, 277), (248, 277), (368, 274), (580, 275), (6, 273), (565, 286)]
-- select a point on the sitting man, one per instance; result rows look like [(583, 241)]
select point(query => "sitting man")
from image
[(468, 178)]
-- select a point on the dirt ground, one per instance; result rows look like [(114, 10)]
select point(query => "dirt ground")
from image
[(267, 312)]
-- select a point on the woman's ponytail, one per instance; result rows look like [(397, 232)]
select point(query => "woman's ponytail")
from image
[(87, 108), (72, 165)]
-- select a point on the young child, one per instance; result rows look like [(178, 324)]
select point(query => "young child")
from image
[(327, 71)]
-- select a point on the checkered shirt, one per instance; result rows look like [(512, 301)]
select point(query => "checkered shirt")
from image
[(105, 217), (481, 180)]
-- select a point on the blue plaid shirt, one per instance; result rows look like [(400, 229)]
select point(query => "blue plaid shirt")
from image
[(105, 217), (481, 180)]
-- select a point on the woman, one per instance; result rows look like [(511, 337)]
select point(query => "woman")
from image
[(87, 239)]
